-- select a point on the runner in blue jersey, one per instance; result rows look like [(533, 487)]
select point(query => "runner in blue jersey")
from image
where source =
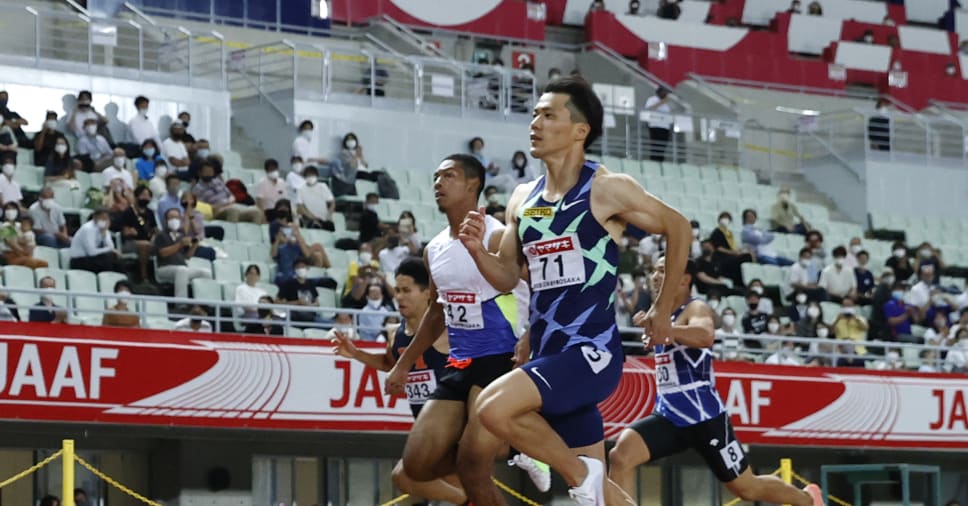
[(564, 229), (689, 412), (482, 326), (413, 298)]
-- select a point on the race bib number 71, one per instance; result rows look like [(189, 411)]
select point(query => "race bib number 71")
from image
[(555, 263)]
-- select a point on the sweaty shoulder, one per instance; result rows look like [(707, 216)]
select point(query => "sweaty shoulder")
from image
[(520, 193), (697, 309)]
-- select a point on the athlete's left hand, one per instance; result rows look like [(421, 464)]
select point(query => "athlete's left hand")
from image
[(522, 352), (653, 327)]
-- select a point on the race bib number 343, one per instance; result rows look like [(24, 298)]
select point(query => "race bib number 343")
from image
[(555, 263)]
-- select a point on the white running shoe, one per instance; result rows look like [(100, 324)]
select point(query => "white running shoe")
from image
[(538, 471), (591, 491)]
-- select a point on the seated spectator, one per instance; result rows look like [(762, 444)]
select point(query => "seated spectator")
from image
[(956, 359), (937, 334), (119, 315), (8, 309), (929, 256), (60, 168), (798, 310), (362, 273), (754, 321), (118, 171), (409, 235), (18, 241), (848, 356), (200, 155), (145, 164), (493, 176), (170, 197), (785, 217), (920, 295), (94, 147), (807, 325), (17, 121), (249, 293), (195, 322), (759, 240), (851, 326), (351, 166), (800, 278), (493, 199), (186, 120), (596, 6), (633, 8), (766, 305), (269, 323), (288, 244), (315, 204), (92, 248), (294, 179), (141, 128), (393, 254), (787, 354), (158, 182), (50, 227), (727, 256), (193, 226), (9, 188), (370, 225), (212, 190), (867, 37), (173, 249), (138, 227), (818, 257), (45, 311), (864, 279), (794, 7), (342, 324), (709, 281), (304, 147), (941, 304), (270, 189), (728, 321), (853, 248), (8, 138), (882, 294), (46, 138), (83, 111), (176, 152), (301, 291), (836, 279), (814, 9), (371, 320), (899, 262), (668, 9), (899, 316)]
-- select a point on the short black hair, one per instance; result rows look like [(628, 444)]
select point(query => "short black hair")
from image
[(270, 164), (472, 169), (805, 250), (310, 170), (749, 211), (49, 500), (416, 269), (306, 123), (814, 233), (300, 260), (349, 136), (254, 267), (863, 252), (583, 100), (122, 283), (751, 293), (141, 99), (470, 143), (839, 251), (725, 214), (371, 195)]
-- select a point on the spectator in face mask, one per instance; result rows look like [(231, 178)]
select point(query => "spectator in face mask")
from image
[(288, 245), (138, 227), (493, 199), (370, 225), (46, 138), (928, 256), (304, 146), (798, 310), (187, 138), (173, 249), (83, 112), (360, 273), (49, 223), (900, 262), (899, 315), (837, 279), (521, 168), (371, 321), (409, 235), (58, 169), (9, 188), (92, 248), (94, 146), (145, 164), (269, 323), (195, 322), (270, 189), (785, 216), (294, 179), (142, 129), (45, 311), (200, 155), (759, 240), (343, 323), (18, 243), (301, 291), (175, 151), (120, 314), (118, 171), (315, 204), (809, 324), (634, 8)]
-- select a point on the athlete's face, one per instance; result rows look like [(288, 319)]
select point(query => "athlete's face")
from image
[(658, 277), (553, 128), (452, 186), (412, 299)]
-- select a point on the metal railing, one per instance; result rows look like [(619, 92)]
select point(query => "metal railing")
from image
[(74, 42)]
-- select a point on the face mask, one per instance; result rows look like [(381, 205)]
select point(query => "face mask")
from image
[(855, 249), (351, 144), (801, 298), (804, 262), (273, 175), (149, 152), (311, 180), (848, 311), (757, 289), (208, 179), (91, 129), (925, 252), (123, 295), (897, 294), (949, 71), (47, 203), (822, 332), (493, 199), (695, 233), (729, 320), (143, 112), (161, 171), (10, 214), (174, 223), (868, 39), (301, 272), (50, 124), (373, 207), (773, 327), (203, 153), (144, 202), (784, 197), (839, 262), (374, 303), (60, 149), (519, 162), (103, 224), (899, 253), (8, 169), (306, 134), (888, 280), (297, 168), (813, 311), (119, 162), (185, 123), (753, 306), (366, 257), (707, 252), (554, 76), (724, 222)]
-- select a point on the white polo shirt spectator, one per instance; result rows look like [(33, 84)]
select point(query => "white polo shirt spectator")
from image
[(838, 280), (270, 189), (174, 149), (142, 128), (316, 198), (9, 189), (113, 172)]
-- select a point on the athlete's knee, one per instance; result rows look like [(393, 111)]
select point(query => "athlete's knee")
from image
[(621, 460), (492, 415), (746, 488), (400, 478), (416, 466)]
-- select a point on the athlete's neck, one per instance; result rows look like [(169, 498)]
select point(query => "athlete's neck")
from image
[(456, 216), (563, 171), (411, 324)]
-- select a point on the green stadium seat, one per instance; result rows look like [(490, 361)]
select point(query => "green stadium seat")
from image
[(206, 289), (671, 170), (16, 276), (225, 270), (107, 279)]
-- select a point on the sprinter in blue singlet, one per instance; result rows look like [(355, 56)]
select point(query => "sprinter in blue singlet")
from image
[(688, 410), (563, 229), (413, 298)]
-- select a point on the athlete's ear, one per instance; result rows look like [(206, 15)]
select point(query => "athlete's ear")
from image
[(581, 131)]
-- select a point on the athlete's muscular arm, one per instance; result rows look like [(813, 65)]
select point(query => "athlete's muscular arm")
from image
[(344, 347), (501, 269), (699, 330), (619, 196), (430, 328)]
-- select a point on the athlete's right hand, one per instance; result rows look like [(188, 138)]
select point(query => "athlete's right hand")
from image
[(522, 352), (342, 345), (650, 331), (396, 379), (471, 232)]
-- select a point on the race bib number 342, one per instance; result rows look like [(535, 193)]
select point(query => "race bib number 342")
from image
[(555, 263)]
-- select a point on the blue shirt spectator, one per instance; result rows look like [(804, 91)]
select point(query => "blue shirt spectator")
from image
[(759, 240), (897, 315), (145, 164)]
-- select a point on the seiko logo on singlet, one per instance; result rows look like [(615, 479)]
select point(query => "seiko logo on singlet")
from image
[(538, 212), (461, 298), (551, 247)]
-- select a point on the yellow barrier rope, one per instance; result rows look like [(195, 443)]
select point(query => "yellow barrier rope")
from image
[(396, 500), (832, 497), (115, 483), (737, 500), (31, 469)]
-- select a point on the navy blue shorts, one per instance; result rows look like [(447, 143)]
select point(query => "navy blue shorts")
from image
[(571, 384)]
